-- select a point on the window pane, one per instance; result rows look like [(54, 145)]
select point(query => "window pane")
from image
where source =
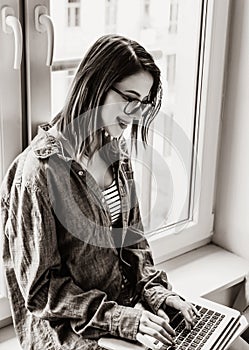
[(170, 30), (77, 17)]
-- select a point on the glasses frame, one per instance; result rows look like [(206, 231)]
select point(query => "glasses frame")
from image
[(132, 99)]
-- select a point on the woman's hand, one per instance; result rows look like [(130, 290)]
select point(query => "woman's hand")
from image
[(189, 312), (157, 326)]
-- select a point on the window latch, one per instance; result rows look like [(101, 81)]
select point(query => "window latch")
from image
[(44, 23), (11, 24)]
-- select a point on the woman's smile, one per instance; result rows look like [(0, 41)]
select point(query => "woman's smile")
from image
[(135, 87)]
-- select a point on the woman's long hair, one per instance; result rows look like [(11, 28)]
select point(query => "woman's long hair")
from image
[(111, 59)]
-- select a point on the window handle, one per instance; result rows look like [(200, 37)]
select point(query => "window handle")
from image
[(44, 23), (10, 23)]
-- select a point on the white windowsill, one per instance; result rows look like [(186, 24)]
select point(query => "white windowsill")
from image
[(205, 270), (200, 272)]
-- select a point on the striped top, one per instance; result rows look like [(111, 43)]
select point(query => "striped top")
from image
[(112, 198)]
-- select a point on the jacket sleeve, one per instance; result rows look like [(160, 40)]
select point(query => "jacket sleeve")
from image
[(48, 292), (152, 285)]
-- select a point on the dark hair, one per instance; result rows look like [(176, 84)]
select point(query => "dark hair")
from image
[(111, 59)]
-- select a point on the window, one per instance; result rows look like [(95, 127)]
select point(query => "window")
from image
[(170, 74), (146, 15), (173, 17), (73, 13), (187, 40), (179, 66), (111, 16)]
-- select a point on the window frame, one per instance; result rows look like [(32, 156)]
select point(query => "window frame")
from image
[(73, 19), (166, 243)]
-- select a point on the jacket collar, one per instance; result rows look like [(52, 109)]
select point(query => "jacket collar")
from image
[(45, 144)]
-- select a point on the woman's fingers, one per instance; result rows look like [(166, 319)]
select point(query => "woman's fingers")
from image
[(148, 316), (189, 313), (161, 322), (195, 311), (189, 323), (160, 330), (163, 314), (159, 334), (188, 310), (156, 327)]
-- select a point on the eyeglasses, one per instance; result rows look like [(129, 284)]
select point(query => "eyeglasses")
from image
[(134, 104)]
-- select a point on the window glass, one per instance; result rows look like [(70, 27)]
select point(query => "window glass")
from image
[(170, 30), (73, 13)]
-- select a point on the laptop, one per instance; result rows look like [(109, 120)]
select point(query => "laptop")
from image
[(216, 329)]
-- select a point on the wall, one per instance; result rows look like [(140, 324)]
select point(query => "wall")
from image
[(232, 201)]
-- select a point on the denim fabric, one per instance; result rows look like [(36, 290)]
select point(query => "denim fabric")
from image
[(71, 276)]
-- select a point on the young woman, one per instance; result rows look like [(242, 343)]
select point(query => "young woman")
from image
[(76, 260)]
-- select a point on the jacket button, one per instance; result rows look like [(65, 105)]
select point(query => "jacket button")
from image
[(80, 173)]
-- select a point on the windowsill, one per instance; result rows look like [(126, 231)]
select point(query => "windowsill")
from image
[(200, 272), (5, 317), (205, 270), (8, 339)]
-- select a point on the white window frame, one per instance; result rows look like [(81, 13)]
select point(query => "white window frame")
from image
[(197, 231), (173, 16), (111, 9), (72, 8), (166, 243), (11, 125)]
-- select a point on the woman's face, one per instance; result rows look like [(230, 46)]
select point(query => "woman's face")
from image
[(114, 118)]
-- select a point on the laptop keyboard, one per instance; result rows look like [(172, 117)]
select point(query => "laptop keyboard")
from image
[(195, 338)]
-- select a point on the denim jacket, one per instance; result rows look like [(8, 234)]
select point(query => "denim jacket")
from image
[(69, 282)]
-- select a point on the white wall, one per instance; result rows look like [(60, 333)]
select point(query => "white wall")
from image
[(232, 202)]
